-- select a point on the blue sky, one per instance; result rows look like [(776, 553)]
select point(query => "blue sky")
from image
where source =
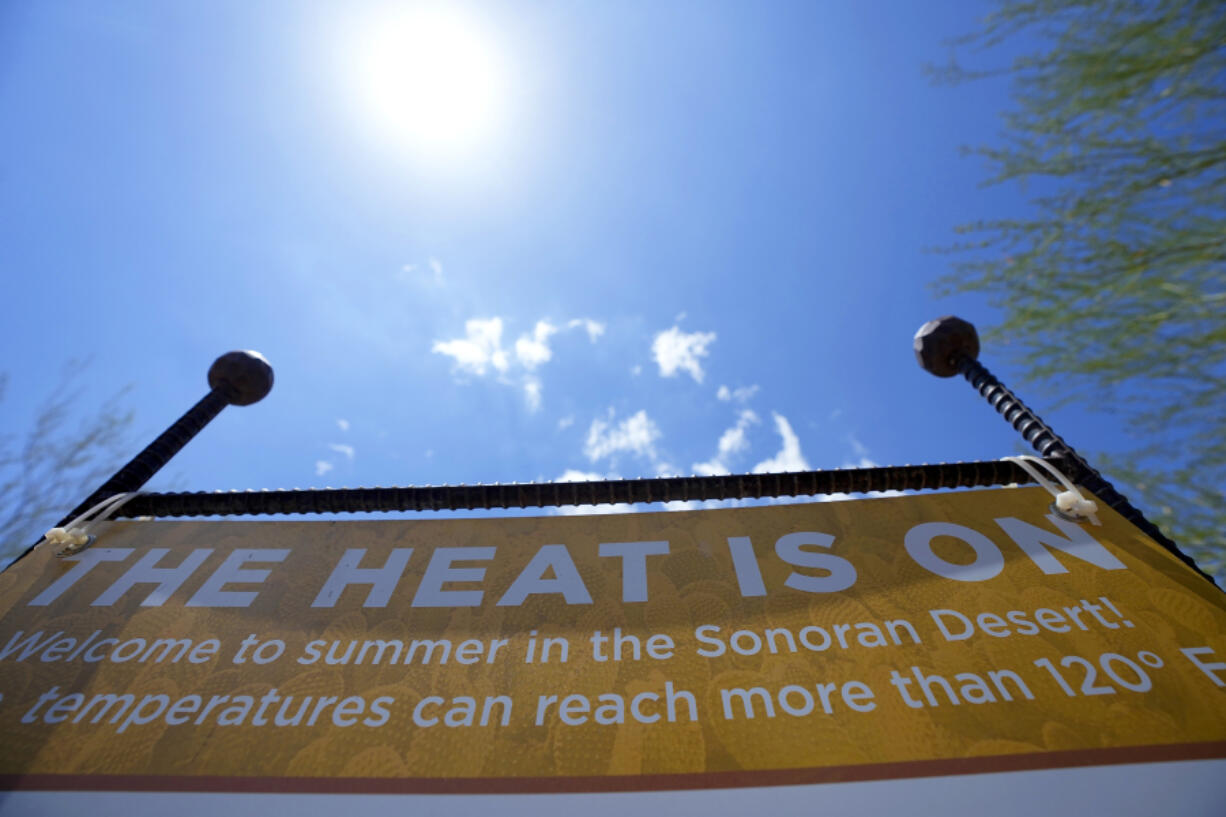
[(667, 237)]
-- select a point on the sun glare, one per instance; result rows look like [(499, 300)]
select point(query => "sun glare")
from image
[(429, 80)]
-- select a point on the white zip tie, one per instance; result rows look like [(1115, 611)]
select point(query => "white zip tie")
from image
[(1068, 503), (76, 539)]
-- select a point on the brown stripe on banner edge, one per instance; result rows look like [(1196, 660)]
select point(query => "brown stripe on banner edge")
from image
[(615, 783)]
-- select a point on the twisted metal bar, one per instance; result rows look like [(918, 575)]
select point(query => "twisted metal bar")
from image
[(138, 470), (149, 461), (547, 494), (1051, 445)]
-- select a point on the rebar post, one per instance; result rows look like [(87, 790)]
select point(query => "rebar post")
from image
[(949, 346), (235, 378)]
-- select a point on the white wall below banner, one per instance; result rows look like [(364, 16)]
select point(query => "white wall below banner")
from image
[(1194, 788)]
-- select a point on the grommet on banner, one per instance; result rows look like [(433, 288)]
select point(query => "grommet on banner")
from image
[(1068, 503), (76, 539)]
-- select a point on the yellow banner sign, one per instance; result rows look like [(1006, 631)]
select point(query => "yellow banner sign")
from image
[(898, 637)]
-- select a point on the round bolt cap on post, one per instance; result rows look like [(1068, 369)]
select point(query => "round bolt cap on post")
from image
[(245, 377), (940, 344)]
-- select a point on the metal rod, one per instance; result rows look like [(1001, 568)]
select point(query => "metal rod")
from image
[(154, 456), (949, 346), (546, 494), (238, 378)]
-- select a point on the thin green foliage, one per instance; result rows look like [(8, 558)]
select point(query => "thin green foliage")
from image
[(1113, 284), (70, 449)]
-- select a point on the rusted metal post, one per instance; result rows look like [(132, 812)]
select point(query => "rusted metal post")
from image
[(235, 378), (949, 346)]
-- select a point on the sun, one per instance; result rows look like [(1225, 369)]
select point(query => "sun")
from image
[(428, 79)]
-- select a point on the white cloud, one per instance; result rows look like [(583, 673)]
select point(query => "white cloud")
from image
[(481, 347), (594, 510), (711, 468), (676, 351), (433, 274), (575, 475), (741, 394), (532, 392), (858, 449), (533, 350), (566, 422), (635, 434), (342, 424), (322, 467), (642, 507), (593, 328), (481, 351), (732, 441), (341, 448), (797, 500), (636, 370), (789, 457), (436, 270), (706, 505)]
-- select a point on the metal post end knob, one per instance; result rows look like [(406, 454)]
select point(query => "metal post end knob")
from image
[(244, 377), (941, 343)]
